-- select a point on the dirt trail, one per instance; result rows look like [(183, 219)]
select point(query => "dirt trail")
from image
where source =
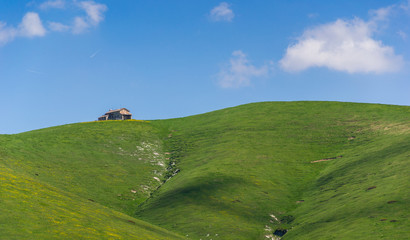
[(326, 159)]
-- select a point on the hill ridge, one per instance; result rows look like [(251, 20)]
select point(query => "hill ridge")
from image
[(236, 168)]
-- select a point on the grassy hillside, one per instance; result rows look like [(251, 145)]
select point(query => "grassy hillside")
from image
[(35, 210), (73, 181), (318, 170), (112, 162), (242, 168)]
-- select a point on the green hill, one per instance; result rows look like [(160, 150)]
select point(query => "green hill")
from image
[(35, 210), (80, 181), (312, 170)]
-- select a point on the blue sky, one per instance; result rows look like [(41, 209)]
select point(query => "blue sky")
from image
[(67, 61)]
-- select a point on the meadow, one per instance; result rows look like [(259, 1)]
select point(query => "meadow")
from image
[(270, 170)]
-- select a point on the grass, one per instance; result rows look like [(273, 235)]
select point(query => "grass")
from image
[(242, 164), (80, 181), (35, 210), (112, 162), (227, 174)]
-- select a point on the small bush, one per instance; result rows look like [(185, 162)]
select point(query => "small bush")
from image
[(287, 219)]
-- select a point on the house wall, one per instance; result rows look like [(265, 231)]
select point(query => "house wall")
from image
[(102, 118), (115, 116)]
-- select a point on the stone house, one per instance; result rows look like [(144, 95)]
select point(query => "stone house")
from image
[(117, 114)]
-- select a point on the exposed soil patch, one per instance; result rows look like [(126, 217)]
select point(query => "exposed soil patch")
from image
[(130, 221), (326, 159)]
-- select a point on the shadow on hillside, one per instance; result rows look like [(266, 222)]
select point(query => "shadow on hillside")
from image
[(370, 159), (212, 194)]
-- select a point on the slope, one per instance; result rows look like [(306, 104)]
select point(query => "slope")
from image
[(73, 181), (245, 172), (114, 163), (34, 210), (308, 170)]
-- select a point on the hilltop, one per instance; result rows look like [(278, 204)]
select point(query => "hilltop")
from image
[(307, 170)]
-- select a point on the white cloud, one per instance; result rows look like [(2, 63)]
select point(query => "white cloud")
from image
[(7, 34), (58, 27), (95, 11), (222, 12), (31, 26), (52, 4), (80, 25), (385, 13), (344, 46), (240, 71), (381, 14), (95, 14)]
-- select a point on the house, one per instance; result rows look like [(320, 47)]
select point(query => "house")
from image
[(117, 114)]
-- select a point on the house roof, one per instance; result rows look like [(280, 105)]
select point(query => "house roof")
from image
[(123, 111)]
